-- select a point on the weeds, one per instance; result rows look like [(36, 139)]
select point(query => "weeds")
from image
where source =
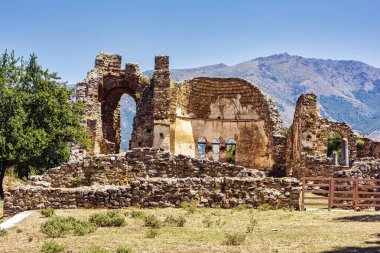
[(123, 250), (265, 207), (30, 238), (191, 206), (108, 219), (52, 247), (47, 212), (175, 222), (151, 233), (3, 232), (234, 239), (252, 224), (207, 221), (97, 249), (19, 230), (152, 221), (138, 214), (60, 226)]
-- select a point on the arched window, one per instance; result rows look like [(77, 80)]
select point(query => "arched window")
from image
[(202, 147), (230, 150), (215, 149), (337, 148)]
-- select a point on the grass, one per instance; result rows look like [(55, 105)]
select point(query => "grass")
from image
[(243, 230)]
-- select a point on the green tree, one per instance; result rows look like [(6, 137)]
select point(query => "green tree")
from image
[(37, 118)]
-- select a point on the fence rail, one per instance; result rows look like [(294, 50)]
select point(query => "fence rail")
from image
[(340, 192)]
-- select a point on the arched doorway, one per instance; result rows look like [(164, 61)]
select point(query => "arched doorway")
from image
[(114, 119), (127, 114), (201, 151)]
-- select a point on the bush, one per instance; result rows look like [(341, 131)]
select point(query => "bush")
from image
[(123, 250), (52, 247), (152, 221), (59, 226), (108, 219), (175, 222), (360, 143), (97, 249), (3, 232), (19, 230), (30, 238), (265, 207), (47, 212), (151, 233), (235, 239), (191, 206), (138, 214)]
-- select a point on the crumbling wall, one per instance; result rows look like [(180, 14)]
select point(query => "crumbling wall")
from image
[(370, 148), (227, 108), (101, 92), (307, 139), (221, 192)]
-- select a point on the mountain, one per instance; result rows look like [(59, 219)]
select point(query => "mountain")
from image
[(347, 90)]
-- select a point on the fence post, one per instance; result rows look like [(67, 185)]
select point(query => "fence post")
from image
[(303, 195), (331, 193)]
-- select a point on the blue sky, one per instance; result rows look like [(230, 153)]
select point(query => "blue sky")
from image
[(67, 34)]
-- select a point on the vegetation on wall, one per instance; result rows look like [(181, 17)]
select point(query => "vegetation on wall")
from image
[(334, 144), (37, 118)]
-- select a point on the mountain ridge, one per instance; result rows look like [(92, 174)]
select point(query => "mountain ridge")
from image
[(343, 86)]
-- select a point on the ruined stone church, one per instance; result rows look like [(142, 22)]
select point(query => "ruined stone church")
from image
[(220, 119)]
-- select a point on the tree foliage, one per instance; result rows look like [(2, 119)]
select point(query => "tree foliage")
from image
[(37, 118)]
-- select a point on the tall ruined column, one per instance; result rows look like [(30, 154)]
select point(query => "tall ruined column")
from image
[(161, 103)]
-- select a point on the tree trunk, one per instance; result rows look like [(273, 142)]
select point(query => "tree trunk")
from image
[(3, 168)]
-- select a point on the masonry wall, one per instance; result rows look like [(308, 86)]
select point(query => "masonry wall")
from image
[(227, 108), (307, 139), (150, 178), (159, 192)]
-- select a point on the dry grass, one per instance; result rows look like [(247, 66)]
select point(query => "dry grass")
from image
[(275, 231)]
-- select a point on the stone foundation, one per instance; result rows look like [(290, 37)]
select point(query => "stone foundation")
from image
[(159, 192), (148, 177)]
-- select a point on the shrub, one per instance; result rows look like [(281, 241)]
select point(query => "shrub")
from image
[(3, 232), (138, 214), (123, 250), (360, 143), (52, 247), (265, 207), (175, 222), (234, 239), (151, 233), (59, 226), (191, 206), (108, 219), (30, 238), (96, 166), (19, 230), (47, 212), (152, 221), (97, 249)]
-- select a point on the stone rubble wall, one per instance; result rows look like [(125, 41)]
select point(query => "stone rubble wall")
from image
[(221, 192), (139, 162), (362, 168), (371, 148)]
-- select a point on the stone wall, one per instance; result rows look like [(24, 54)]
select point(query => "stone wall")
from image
[(139, 162), (148, 177), (222, 109), (159, 192), (362, 168), (307, 139), (371, 148)]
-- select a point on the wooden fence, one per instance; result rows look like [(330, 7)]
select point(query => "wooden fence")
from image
[(340, 192)]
